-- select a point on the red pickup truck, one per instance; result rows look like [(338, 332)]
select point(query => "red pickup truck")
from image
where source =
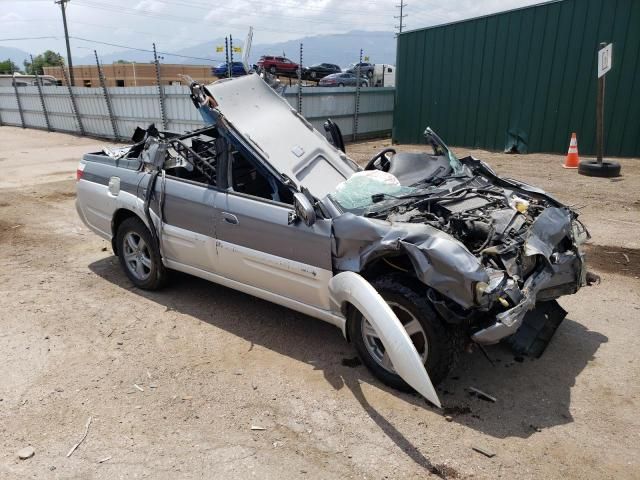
[(274, 65)]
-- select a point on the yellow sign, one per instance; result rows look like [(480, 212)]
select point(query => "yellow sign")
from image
[(237, 49), (366, 59), (219, 49)]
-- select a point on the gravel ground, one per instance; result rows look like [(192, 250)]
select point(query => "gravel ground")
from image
[(174, 380)]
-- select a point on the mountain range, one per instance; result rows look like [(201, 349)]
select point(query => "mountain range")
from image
[(341, 49)]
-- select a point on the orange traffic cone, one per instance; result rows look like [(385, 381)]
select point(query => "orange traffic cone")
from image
[(572, 160)]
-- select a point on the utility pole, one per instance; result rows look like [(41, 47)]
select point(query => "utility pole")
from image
[(401, 16), (63, 8)]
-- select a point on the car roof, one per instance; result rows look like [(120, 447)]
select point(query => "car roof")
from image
[(289, 143)]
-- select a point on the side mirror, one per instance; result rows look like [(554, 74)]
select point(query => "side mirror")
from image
[(303, 210)]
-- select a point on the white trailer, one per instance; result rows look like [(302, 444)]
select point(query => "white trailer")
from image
[(383, 75)]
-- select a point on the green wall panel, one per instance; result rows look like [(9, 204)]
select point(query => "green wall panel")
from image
[(528, 73)]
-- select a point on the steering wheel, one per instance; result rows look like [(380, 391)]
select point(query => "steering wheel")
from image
[(381, 160)]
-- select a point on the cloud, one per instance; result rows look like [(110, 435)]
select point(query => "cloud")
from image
[(150, 6), (11, 17)]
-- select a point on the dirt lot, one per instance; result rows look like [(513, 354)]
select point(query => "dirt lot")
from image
[(174, 380)]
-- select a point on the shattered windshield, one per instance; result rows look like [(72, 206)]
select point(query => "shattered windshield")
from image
[(364, 188)]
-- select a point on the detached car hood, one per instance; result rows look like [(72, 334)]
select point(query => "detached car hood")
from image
[(288, 142)]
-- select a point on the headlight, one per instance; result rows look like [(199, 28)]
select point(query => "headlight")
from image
[(483, 290)]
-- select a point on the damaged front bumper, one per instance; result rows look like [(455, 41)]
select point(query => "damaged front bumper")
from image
[(509, 321), (564, 276), (562, 273)]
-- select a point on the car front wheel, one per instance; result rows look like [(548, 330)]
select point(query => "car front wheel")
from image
[(139, 255), (437, 343)]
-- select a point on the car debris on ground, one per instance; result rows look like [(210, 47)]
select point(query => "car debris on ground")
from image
[(482, 394), (484, 451)]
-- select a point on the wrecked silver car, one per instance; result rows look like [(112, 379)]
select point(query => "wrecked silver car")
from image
[(414, 257)]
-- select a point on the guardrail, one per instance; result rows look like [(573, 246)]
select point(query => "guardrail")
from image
[(83, 110)]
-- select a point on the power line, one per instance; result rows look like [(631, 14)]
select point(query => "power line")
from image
[(27, 38), (145, 50)]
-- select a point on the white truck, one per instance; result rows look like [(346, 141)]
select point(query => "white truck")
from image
[(383, 75)]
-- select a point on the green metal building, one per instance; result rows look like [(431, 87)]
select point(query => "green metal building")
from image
[(523, 79)]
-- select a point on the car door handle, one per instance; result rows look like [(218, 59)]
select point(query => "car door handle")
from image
[(230, 218)]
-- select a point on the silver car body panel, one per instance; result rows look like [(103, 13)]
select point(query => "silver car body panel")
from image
[(95, 202), (335, 318), (261, 115)]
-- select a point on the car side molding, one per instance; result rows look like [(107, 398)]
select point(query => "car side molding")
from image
[(349, 287)]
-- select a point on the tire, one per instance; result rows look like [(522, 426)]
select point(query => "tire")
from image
[(272, 69), (139, 255), (592, 168), (369, 74), (341, 84), (408, 300)]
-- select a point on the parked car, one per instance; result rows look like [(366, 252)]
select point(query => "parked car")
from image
[(414, 257), (342, 80), (222, 70), (320, 70), (366, 69), (275, 65)]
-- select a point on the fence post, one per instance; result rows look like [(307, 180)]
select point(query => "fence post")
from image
[(357, 109), (74, 107), (230, 64), (163, 115), (15, 88), (226, 54), (300, 83), (107, 99), (44, 107)]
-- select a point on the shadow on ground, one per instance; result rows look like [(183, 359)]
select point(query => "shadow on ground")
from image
[(532, 394)]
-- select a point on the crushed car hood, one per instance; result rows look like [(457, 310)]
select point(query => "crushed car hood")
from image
[(288, 142)]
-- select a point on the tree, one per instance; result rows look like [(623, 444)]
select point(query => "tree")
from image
[(8, 67), (46, 59), (122, 61)]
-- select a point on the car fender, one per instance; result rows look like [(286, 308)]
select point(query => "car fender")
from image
[(349, 287)]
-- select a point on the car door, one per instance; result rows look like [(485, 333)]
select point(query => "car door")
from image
[(258, 247), (188, 227)]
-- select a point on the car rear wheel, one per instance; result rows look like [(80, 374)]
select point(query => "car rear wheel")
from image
[(139, 255), (272, 69), (437, 343), (341, 84)]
